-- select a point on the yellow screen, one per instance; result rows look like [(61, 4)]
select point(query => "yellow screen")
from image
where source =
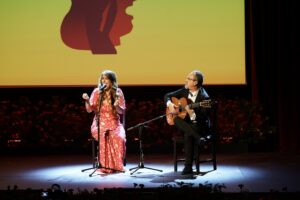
[(168, 39)]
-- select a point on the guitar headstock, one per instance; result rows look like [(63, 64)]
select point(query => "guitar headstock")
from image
[(207, 103)]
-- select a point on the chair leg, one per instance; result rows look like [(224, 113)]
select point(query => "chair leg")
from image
[(214, 155), (124, 161), (197, 159), (125, 152), (175, 156)]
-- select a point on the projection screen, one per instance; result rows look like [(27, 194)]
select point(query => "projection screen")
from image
[(146, 42)]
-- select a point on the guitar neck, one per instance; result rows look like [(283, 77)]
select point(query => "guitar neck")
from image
[(194, 105), (204, 104)]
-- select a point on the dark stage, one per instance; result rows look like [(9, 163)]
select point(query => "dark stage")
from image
[(257, 172)]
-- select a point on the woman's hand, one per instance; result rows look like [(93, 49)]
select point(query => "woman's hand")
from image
[(85, 96), (117, 99)]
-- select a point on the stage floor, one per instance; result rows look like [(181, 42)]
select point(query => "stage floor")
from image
[(257, 172)]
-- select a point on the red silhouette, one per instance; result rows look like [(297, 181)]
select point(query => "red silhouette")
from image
[(96, 25)]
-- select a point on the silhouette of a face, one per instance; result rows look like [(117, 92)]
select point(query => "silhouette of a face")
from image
[(123, 22), (96, 25)]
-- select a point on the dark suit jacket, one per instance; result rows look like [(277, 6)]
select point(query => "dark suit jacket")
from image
[(201, 113)]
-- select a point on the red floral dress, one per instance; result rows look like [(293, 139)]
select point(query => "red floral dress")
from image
[(112, 133)]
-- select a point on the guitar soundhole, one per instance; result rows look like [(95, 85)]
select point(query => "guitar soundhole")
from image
[(180, 109)]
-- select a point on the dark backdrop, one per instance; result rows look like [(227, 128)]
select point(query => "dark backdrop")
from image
[(271, 60), (272, 50)]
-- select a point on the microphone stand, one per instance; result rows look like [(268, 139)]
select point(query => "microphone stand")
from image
[(140, 127), (98, 165)]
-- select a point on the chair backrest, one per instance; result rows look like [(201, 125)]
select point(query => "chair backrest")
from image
[(212, 124), (123, 122), (123, 119)]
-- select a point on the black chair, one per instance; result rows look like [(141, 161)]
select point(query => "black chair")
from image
[(209, 143), (123, 121)]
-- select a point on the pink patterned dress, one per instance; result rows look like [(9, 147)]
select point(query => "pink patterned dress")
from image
[(112, 133)]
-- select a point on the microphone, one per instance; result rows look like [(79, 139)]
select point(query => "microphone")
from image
[(115, 87), (102, 87)]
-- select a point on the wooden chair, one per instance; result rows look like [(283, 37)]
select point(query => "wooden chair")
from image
[(209, 141)]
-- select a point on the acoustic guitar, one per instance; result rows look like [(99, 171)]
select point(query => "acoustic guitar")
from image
[(181, 104)]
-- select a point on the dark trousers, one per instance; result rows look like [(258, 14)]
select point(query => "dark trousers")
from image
[(191, 133)]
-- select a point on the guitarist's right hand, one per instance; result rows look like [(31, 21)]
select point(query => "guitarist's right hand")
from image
[(172, 107)]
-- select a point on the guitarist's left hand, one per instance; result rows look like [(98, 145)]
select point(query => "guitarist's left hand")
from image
[(190, 112)]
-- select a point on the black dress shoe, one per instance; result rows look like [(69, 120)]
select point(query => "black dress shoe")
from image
[(201, 141), (187, 170)]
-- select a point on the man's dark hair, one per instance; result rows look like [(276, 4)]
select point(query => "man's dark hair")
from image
[(199, 77)]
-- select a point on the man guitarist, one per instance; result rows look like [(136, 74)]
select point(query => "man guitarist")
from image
[(193, 124)]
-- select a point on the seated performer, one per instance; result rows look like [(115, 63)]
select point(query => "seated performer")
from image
[(108, 102), (193, 124)]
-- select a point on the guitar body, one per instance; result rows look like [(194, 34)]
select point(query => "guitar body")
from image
[(180, 112), (180, 105)]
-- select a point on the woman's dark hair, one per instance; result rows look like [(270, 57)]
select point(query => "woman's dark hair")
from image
[(111, 76)]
